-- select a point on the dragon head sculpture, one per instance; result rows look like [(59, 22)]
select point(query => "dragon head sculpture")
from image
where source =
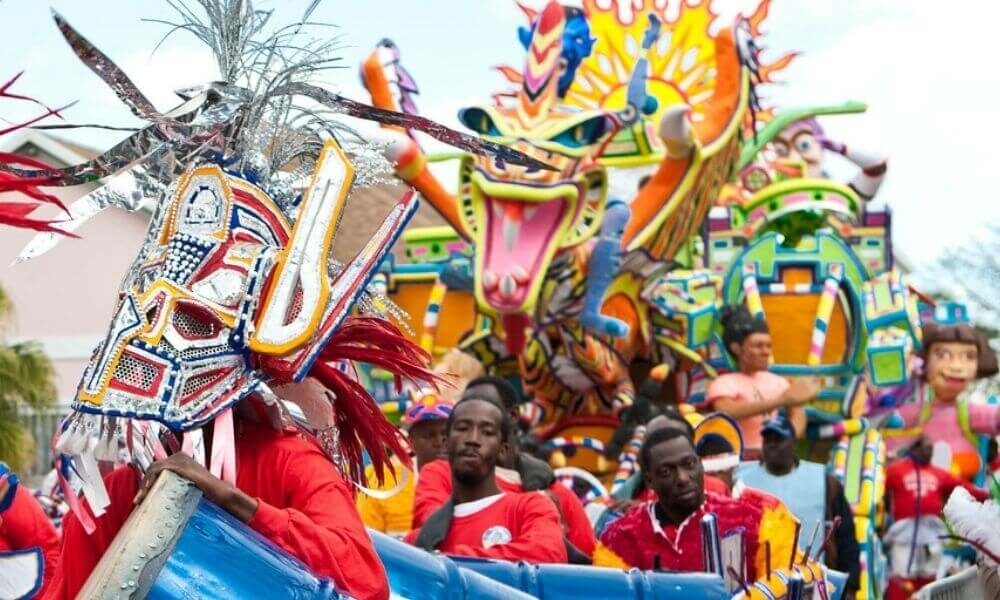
[(520, 218)]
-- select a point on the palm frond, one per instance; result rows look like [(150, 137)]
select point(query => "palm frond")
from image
[(17, 447), (26, 376)]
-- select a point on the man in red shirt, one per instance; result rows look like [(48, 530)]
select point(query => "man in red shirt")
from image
[(516, 472), (917, 492), (480, 519), (667, 533), (24, 526), (286, 489)]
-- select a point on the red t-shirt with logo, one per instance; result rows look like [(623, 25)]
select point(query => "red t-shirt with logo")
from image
[(505, 526), (909, 484), (434, 489)]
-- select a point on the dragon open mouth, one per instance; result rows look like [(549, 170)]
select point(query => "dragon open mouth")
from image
[(518, 237)]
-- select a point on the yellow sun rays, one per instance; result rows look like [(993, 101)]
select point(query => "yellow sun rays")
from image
[(681, 61)]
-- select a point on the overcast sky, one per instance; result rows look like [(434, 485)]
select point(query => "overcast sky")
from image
[(926, 68)]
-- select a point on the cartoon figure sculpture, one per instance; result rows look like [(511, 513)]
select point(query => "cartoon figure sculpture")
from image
[(805, 141), (813, 259), (561, 269), (954, 354)]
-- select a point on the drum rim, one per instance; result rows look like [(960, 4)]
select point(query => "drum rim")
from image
[(143, 545)]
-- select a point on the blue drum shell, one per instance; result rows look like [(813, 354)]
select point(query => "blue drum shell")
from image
[(216, 556)]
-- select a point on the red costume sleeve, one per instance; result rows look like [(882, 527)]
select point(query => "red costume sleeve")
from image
[(433, 490), (623, 538), (26, 526), (81, 552), (579, 530), (952, 481), (540, 538), (323, 530)]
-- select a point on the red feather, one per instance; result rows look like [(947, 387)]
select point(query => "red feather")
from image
[(361, 424), (12, 214), (28, 187), (15, 213), (359, 418), (17, 210)]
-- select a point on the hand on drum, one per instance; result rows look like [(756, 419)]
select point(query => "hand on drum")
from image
[(222, 493)]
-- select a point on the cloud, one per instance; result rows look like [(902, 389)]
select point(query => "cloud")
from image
[(158, 74), (922, 69)]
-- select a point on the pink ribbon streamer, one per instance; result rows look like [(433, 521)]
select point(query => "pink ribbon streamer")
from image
[(224, 448), (73, 501)]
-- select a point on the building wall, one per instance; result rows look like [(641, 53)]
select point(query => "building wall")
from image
[(64, 298)]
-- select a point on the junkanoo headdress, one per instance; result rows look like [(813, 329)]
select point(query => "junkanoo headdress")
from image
[(233, 292)]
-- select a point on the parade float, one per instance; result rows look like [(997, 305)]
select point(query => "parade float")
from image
[(616, 197), (233, 302), (759, 224), (571, 270)]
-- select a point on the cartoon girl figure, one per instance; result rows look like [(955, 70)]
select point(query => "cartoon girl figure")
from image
[(954, 356)]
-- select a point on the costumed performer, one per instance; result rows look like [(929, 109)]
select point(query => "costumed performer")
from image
[(24, 526), (388, 507), (667, 533), (516, 472), (917, 492)]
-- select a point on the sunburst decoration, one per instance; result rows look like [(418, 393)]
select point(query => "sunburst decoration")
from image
[(681, 62)]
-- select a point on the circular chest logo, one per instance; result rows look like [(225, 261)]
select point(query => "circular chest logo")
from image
[(495, 536)]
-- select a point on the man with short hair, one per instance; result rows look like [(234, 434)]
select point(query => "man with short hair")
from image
[(917, 491), (634, 489), (424, 422), (666, 533), (480, 519), (516, 472), (813, 496)]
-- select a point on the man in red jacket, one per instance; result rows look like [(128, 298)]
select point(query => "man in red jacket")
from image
[(480, 519), (917, 492), (286, 489), (516, 472), (24, 526)]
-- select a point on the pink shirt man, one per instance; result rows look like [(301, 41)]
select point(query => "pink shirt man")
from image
[(762, 385)]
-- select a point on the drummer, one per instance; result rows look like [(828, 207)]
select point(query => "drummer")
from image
[(286, 490), (480, 519)]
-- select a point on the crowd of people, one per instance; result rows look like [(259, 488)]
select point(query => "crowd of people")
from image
[(469, 489)]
